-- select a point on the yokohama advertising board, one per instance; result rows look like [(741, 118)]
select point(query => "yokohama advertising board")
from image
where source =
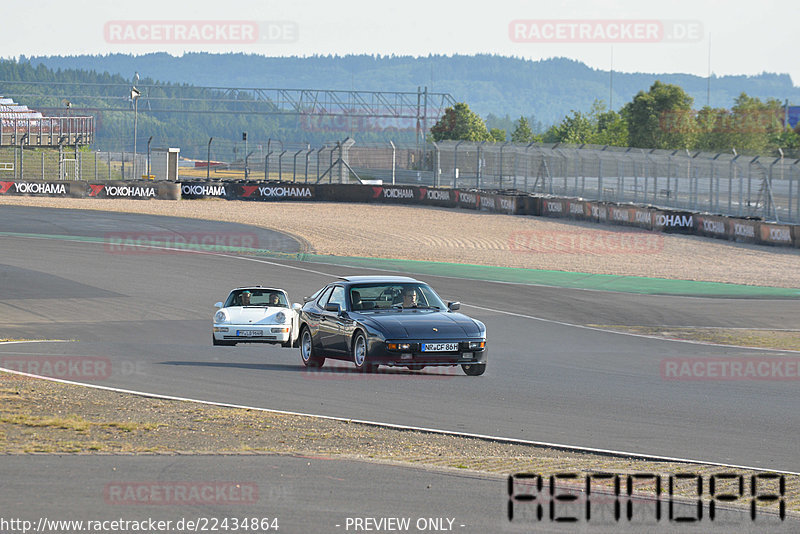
[(26, 188)]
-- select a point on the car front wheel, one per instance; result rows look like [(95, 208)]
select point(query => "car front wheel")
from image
[(474, 369), (307, 353), (360, 356)]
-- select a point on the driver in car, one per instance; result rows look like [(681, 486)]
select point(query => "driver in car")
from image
[(410, 297), (274, 300)]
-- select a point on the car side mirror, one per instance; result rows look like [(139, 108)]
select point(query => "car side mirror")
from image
[(297, 306), (335, 308), (218, 305), (453, 306)]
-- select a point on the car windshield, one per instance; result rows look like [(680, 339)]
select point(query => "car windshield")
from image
[(257, 297), (364, 297)]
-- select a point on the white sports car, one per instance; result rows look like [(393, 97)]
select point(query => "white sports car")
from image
[(256, 315)]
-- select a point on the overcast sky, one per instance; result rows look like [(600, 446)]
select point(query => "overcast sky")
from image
[(746, 37)]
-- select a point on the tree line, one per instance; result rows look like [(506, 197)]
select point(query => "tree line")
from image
[(661, 117)]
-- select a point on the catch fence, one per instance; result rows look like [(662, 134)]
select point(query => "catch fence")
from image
[(721, 183)]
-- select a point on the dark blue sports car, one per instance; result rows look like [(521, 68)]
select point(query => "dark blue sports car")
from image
[(389, 320)]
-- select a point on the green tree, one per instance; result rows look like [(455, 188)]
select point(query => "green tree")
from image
[(578, 128), (460, 123), (612, 129), (750, 126), (756, 126), (498, 135), (522, 132), (660, 118)]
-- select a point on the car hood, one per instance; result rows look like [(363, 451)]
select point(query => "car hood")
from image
[(420, 324), (255, 314)]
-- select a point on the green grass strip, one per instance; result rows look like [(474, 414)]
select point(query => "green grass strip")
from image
[(564, 279)]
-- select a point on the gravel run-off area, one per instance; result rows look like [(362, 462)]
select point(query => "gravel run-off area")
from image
[(465, 236)]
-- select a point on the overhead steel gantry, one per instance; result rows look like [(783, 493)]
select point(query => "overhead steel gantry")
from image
[(422, 106)]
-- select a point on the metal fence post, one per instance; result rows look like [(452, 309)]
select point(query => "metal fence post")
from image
[(294, 165), (318, 153), (437, 169), (455, 165), (308, 155), (769, 194), (514, 183), (797, 195), (789, 205), (280, 166), (500, 184), (750, 182), (394, 162)]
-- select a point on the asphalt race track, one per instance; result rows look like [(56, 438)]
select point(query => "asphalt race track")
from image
[(547, 380)]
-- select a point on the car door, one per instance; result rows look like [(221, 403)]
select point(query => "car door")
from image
[(332, 324), (312, 315)]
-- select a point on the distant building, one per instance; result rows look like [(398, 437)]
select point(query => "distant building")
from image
[(22, 125)]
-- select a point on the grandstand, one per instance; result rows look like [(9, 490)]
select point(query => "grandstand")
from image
[(20, 125)]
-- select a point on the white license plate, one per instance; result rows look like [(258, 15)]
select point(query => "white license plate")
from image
[(439, 347), (248, 333)]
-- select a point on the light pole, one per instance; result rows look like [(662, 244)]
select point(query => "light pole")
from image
[(135, 98), (148, 156), (244, 138), (208, 159)]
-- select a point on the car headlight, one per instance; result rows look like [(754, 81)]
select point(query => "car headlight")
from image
[(221, 317), (280, 317)]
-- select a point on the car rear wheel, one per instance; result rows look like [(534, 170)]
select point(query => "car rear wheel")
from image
[(307, 353), (473, 369), (360, 356)]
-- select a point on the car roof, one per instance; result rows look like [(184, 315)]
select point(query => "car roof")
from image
[(260, 288), (377, 279)]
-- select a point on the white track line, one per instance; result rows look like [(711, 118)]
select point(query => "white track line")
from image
[(646, 336), (499, 439)]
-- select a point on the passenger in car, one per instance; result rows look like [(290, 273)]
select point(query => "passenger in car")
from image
[(355, 298)]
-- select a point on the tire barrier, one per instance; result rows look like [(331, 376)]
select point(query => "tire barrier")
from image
[(741, 230)]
